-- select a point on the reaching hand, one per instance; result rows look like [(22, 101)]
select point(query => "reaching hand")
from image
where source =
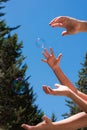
[(45, 125), (51, 59), (72, 25), (60, 90)]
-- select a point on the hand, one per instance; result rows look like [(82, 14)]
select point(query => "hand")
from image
[(51, 60), (60, 90), (72, 25), (45, 125)]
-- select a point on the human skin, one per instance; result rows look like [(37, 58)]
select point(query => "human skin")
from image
[(54, 62), (71, 25), (74, 122), (62, 90)]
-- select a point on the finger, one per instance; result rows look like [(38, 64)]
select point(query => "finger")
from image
[(53, 21), (51, 51), (57, 25), (43, 60), (59, 58), (46, 90), (59, 19), (26, 127), (46, 52), (45, 55), (64, 33), (50, 90), (46, 119), (57, 85)]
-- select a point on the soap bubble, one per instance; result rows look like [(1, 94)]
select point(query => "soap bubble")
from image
[(19, 86), (40, 42)]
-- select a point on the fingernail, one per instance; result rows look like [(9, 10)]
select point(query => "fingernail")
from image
[(49, 23)]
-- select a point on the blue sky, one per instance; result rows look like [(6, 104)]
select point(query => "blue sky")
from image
[(34, 17)]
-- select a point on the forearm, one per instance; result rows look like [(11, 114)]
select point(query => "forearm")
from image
[(63, 79), (82, 95), (74, 122), (78, 100), (83, 26)]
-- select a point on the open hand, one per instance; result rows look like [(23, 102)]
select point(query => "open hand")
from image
[(60, 90), (71, 25), (50, 58)]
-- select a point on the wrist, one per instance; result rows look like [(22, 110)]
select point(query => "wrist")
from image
[(71, 94), (82, 26), (55, 68)]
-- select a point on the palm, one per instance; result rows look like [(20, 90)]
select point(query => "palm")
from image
[(69, 23), (61, 90), (52, 61), (50, 58)]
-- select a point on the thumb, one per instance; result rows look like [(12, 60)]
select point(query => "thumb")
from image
[(57, 85), (64, 33), (26, 127), (46, 119), (59, 57)]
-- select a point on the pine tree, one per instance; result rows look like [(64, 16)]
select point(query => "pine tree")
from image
[(15, 108), (82, 82), (82, 86), (53, 117)]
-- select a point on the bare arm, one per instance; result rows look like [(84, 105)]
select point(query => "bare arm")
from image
[(71, 25), (65, 81), (63, 90), (83, 26), (82, 95), (78, 99), (53, 62), (72, 123)]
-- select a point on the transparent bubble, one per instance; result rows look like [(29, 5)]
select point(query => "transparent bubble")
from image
[(19, 86), (40, 42)]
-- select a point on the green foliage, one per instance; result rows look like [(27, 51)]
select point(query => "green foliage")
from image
[(81, 86), (14, 109), (53, 117), (82, 82)]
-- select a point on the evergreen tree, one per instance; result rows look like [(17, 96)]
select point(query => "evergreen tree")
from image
[(17, 105), (82, 82), (53, 117), (81, 86)]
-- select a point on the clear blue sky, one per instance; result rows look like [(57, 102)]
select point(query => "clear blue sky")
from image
[(34, 17)]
